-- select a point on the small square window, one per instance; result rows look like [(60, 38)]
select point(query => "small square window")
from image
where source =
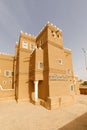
[(72, 87), (57, 33), (40, 65), (53, 34), (60, 61), (68, 71), (4, 82), (7, 73), (25, 45), (32, 47), (12, 73)]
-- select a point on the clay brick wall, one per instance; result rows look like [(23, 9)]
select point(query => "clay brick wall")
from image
[(7, 94)]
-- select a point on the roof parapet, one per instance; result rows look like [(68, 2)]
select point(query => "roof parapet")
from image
[(2, 53), (68, 49), (48, 24), (21, 31)]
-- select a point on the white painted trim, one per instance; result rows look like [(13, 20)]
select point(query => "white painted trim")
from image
[(36, 90)]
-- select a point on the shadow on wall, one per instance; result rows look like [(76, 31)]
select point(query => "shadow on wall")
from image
[(31, 73)]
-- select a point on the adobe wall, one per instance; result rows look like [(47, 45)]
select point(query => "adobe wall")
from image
[(60, 60), (43, 87), (7, 94), (22, 90), (6, 71)]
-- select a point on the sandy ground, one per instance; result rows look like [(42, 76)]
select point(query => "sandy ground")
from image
[(79, 123), (26, 116)]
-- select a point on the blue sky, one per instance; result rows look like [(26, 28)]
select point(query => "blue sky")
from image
[(31, 15)]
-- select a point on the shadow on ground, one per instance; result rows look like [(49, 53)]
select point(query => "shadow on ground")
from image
[(79, 123)]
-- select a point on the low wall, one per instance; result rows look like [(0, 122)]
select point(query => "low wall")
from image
[(57, 102), (83, 90), (6, 94)]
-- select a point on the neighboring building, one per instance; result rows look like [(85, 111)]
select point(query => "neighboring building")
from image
[(83, 90), (83, 87), (6, 71), (77, 85), (41, 70)]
